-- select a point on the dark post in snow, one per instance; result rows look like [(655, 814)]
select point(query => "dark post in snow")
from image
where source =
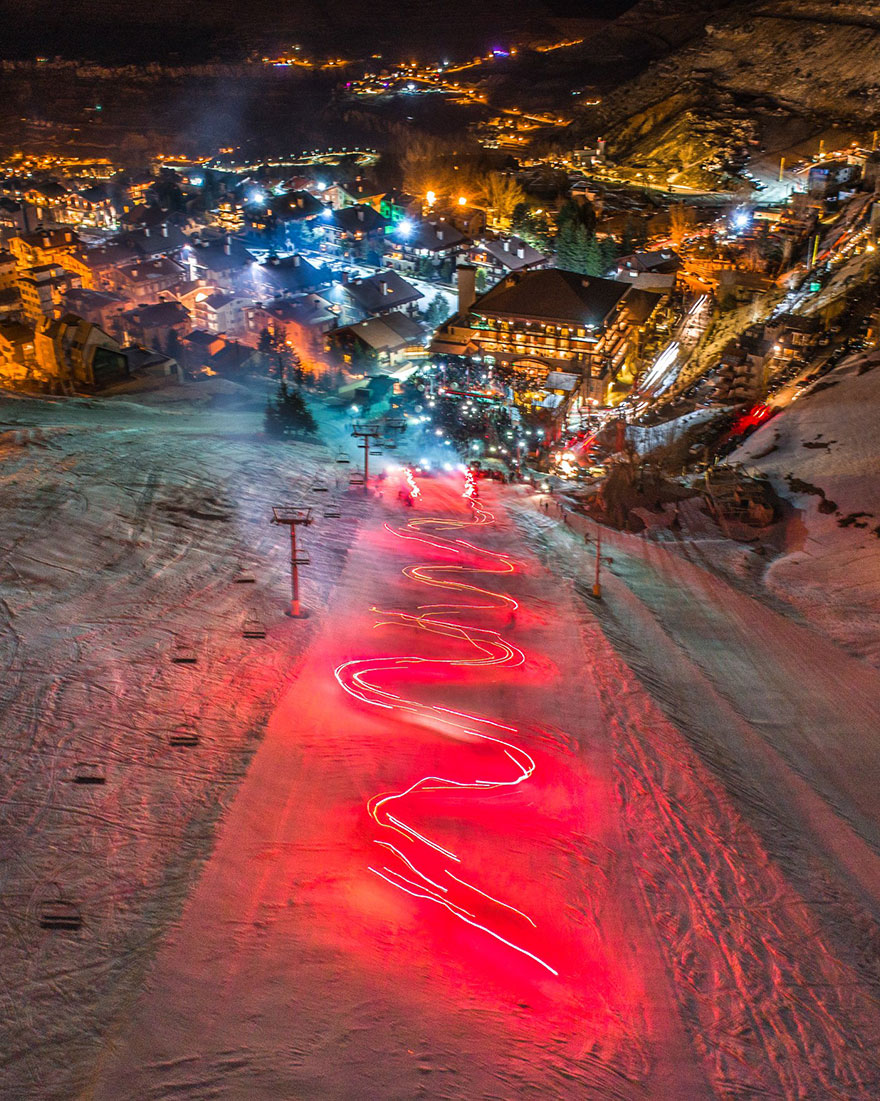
[(597, 586), (293, 517), (366, 432)]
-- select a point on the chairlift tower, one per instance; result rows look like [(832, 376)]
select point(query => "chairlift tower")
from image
[(377, 431), (293, 517), (365, 432)]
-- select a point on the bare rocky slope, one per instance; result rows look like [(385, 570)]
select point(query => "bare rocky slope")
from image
[(746, 71)]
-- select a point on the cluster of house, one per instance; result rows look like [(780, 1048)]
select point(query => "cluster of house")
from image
[(83, 305)]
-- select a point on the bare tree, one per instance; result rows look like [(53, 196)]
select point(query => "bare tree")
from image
[(682, 219), (503, 194)]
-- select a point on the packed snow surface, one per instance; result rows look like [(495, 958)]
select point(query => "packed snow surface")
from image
[(823, 455), (677, 898)]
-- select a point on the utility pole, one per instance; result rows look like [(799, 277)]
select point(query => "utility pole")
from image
[(293, 517)]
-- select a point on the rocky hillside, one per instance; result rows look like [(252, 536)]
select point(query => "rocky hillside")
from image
[(798, 64)]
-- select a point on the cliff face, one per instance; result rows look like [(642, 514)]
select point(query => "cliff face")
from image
[(695, 105)]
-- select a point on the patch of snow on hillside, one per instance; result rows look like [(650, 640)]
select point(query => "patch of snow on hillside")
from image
[(823, 455)]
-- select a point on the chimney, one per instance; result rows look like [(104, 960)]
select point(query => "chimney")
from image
[(227, 245), (521, 253), (439, 234), (466, 277), (361, 214), (164, 229), (146, 231), (296, 261), (506, 246), (383, 287)]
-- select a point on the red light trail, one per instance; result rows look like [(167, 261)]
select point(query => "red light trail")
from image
[(421, 870)]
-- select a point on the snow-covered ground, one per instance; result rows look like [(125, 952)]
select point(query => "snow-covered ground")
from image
[(647, 438), (123, 527), (695, 852), (823, 455), (747, 763)]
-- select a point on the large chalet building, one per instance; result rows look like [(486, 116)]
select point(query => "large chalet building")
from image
[(549, 320)]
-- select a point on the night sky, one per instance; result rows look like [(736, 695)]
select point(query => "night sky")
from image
[(140, 30)]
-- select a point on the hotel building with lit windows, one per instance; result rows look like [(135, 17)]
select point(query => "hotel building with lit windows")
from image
[(537, 322)]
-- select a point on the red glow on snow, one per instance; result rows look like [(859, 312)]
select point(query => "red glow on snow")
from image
[(362, 678)]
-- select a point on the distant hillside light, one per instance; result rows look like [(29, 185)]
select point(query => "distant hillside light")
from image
[(462, 201), (430, 198)]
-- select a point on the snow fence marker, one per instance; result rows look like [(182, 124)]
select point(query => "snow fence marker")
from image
[(87, 772), (183, 737), (253, 628), (59, 912)]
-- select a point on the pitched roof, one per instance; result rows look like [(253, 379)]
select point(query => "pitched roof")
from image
[(159, 314), (383, 291), (551, 294), (306, 309), (156, 241), (49, 189), (641, 304), (231, 356), (295, 205), (50, 238), (662, 261), (404, 325), (358, 219), (285, 274), (140, 358), (142, 271), (201, 338), (145, 214), (506, 252), (96, 194), (108, 256), (386, 334), (361, 189), (214, 256), (434, 236), (84, 298), (217, 300)]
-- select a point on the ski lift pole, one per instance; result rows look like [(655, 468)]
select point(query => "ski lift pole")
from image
[(294, 574), (597, 586), (366, 432), (294, 517)]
